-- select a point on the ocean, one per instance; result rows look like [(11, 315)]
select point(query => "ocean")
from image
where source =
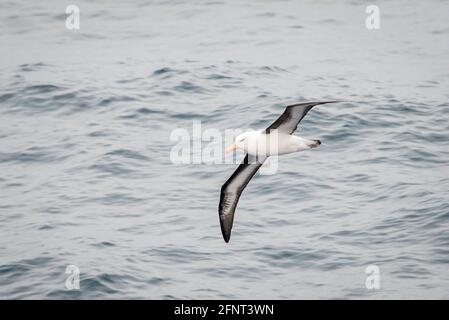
[(89, 188)]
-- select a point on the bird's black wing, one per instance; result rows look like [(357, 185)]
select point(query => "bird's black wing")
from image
[(232, 189), (292, 116)]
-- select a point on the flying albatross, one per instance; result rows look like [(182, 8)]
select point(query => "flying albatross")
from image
[(259, 145)]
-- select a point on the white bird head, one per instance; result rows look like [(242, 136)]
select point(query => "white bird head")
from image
[(240, 142)]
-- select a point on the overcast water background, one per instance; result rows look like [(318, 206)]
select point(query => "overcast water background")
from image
[(85, 171)]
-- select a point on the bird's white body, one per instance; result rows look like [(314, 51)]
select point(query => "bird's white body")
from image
[(276, 143)]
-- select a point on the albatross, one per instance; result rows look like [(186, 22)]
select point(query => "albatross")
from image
[(277, 139)]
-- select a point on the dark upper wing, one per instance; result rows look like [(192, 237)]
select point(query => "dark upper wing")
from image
[(231, 191), (292, 116)]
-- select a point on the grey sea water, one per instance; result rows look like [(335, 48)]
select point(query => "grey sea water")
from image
[(85, 171)]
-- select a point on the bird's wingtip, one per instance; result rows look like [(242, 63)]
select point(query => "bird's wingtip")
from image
[(226, 235), (315, 103), (331, 101)]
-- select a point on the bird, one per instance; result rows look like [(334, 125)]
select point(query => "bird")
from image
[(277, 139)]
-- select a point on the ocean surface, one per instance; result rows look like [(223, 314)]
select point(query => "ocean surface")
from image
[(86, 177)]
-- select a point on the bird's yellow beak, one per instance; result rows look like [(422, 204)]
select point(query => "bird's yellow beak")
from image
[(231, 148)]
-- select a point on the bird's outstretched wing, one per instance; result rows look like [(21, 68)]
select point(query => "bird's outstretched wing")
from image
[(232, 189), (292, 116)]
